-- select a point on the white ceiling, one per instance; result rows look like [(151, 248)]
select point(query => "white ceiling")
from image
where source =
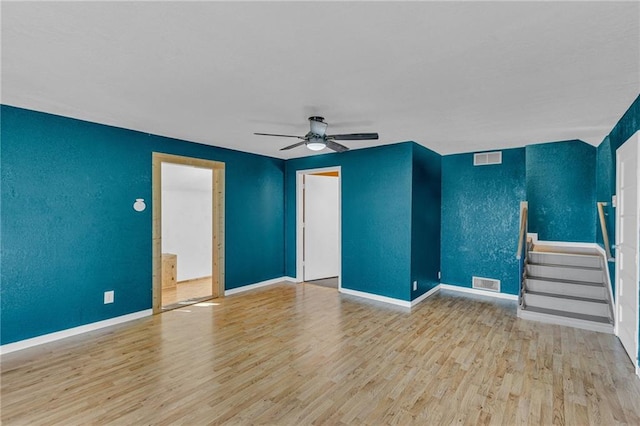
[(452, 76)]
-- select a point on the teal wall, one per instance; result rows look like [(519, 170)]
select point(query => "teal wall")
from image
[(376, 217), (426, 207), (605, 188), (561, 191), (628, 124), (480, 219), (69, 231)]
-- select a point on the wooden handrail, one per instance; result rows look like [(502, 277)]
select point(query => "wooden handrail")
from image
[(524, 211), (603, 226)]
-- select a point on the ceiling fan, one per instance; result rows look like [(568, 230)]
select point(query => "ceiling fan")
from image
[(317, 139)]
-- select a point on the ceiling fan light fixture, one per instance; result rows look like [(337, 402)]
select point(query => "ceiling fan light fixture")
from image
[(316, 144), (317, 139)]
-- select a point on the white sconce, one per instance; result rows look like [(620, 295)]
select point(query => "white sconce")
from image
[(139, 205)]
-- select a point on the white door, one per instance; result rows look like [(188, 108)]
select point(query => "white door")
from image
[(321, 227), (627, 240)]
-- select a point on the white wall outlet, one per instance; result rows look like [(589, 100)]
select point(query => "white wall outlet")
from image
[(415, 285), (439, 275), (108, 296)]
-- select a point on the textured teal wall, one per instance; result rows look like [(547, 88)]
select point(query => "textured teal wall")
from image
[(561, 191), (376, 217), (426, 207), (69, 231), (605, 188), (480, 219), (628, 124)]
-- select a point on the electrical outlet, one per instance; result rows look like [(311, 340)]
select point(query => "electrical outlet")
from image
[(415, 285), (439, 275), (108, 296)]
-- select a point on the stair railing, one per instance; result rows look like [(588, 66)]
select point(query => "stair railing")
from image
[(523, 249), (603, 226)]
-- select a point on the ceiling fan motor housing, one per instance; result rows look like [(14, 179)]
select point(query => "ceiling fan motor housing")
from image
[(318, 127)]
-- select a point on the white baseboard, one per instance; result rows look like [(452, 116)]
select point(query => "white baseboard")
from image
[(376, 297), (478, 292), (430, 293), (258, 285), (194, 279), (391, 300), (51, 337)]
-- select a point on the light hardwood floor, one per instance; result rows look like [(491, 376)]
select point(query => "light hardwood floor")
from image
[(325, 282), (301, 354), (186, 290)]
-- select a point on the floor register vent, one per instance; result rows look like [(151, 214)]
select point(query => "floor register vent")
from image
[(486, 284), (487, 158)]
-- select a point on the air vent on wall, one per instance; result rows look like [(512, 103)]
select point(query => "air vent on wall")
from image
[(487, 158), (486, 284)]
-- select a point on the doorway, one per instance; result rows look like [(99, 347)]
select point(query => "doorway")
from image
[(215, 171), (186, 234), (318, 224), (628, 245)]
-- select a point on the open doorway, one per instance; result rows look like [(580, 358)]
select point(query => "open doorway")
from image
[(186, 267), (318, 219), (186, 228)]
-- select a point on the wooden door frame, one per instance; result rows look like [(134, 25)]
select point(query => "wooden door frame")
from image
[(300, 215), (634, 358), (217, 218)]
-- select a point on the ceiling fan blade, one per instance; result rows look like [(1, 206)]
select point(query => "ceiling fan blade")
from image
[(354, 136), (336, 146), (292, 146), (282, 136)]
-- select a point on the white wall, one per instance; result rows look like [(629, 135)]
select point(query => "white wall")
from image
[(186, 218)]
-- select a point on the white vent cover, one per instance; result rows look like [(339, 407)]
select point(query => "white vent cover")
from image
[(486, 284), (486, 158)]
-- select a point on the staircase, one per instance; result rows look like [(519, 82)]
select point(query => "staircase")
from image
[(567, 286)]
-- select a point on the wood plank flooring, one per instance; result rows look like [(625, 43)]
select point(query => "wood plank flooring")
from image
[(186, 290), (325, 282), (303, 354)]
